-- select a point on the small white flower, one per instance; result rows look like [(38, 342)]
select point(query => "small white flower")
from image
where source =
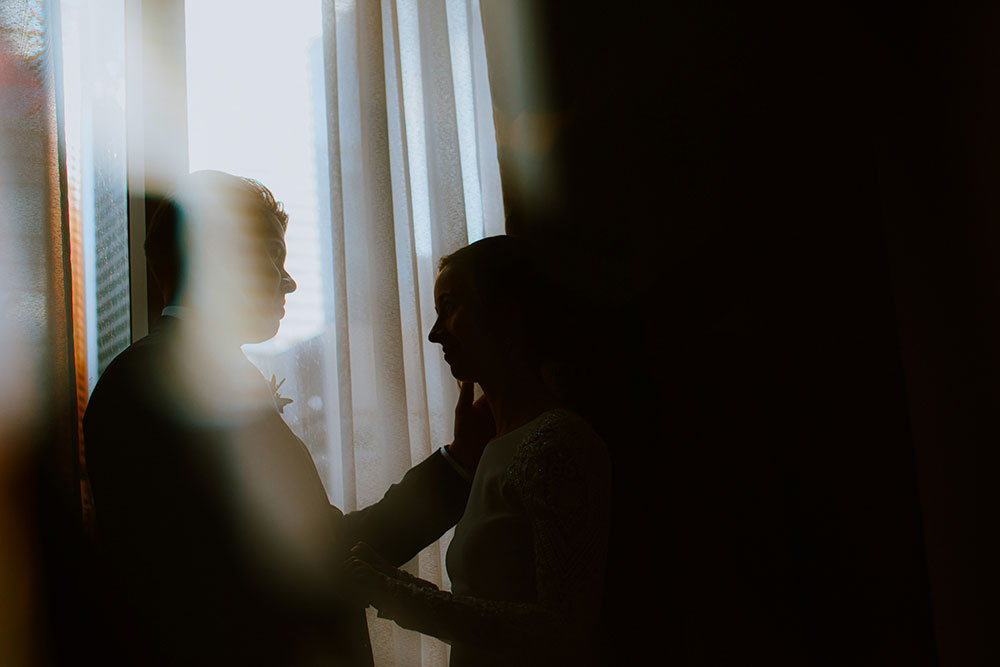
[(279, 401)]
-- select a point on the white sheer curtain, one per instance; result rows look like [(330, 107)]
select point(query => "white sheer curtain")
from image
[(372, 122), (413, 176)]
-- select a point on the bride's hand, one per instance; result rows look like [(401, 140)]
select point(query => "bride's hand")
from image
[(474, 427)]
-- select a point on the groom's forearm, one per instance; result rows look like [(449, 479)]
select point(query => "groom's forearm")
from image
[(412, 514)]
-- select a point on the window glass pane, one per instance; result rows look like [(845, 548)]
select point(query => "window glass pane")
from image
[(257, 108), (93, 50)]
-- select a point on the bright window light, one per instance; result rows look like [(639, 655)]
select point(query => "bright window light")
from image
[(256, 107)]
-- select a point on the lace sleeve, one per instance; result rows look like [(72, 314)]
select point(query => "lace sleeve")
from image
[(405, 577), (561, 476)]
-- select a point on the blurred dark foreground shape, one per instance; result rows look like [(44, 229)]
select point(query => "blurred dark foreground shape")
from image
[(780, 219)]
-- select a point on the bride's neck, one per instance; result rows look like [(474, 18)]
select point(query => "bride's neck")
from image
[(517, 398)]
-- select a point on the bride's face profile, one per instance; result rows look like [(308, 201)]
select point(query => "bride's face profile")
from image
[(460, 329)]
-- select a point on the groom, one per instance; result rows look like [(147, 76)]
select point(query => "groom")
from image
[(217, 540)]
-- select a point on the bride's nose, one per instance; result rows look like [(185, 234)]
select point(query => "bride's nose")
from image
[(435, 335)]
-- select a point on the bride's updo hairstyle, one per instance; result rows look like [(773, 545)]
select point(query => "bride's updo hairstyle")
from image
[(508, 274)]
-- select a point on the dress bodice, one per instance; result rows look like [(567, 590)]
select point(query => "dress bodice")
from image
[(491, 554), (527, 559)]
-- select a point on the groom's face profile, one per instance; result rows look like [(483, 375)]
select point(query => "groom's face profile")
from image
[(264, 282), (217, 245)]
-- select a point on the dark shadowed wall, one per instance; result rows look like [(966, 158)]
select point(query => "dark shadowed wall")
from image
[(779, 221)]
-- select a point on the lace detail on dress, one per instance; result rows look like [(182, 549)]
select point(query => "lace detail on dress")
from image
[(419, 605), (563, 475), (560, 474), (405, 577)]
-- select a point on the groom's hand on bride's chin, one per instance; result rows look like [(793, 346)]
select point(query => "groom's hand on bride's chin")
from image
[(474, 427)]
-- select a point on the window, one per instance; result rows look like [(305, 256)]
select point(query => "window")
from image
[(372, 123), (93, 65)]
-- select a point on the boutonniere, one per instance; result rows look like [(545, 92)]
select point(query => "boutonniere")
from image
[(279, 401)]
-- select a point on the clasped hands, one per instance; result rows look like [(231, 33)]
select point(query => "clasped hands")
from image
[(368, 576)]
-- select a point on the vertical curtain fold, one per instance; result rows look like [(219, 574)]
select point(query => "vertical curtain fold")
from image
[(413, 176), (42, 375), (35, 203)]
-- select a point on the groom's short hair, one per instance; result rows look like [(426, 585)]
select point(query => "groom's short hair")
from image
[(171, 223)]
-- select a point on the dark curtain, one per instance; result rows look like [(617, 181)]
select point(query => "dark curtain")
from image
[(775, 222)]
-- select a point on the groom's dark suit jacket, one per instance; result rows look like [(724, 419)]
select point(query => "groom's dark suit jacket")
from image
[(185, 580)]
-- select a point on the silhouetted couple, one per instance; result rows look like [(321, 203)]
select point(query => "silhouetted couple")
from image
[(218, 541)]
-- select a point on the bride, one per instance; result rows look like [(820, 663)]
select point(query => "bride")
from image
[(527, 559)]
